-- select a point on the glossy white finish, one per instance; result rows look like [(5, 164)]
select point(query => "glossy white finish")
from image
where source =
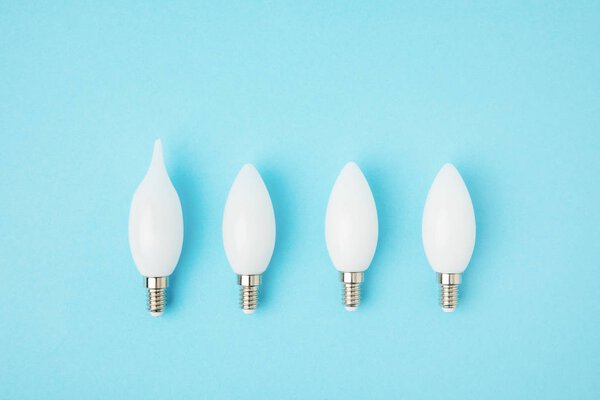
[(351, 226), (448, 223), (248, 224), (156, 221)]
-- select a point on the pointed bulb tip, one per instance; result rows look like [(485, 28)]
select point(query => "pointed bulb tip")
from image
[(448, 165), (249, 169), (157, 153), (351, 164), (351, 168)]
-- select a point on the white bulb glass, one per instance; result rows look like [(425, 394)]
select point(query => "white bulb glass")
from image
[(248, 224), (351, 226), (448, 223), (156, 221)]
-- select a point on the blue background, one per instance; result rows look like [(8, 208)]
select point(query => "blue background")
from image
[(508, 92)]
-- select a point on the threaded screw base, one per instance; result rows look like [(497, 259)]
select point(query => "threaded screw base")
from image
[(449, 291), (157, 300), (248, 298), (351, 296), (157, 295), (249, 292)]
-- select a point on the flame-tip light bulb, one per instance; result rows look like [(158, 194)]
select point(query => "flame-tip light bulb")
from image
[(156, 230), (448, 232), (248, 233), (351, 230)]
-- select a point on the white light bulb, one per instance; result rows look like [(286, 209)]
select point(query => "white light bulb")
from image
[(156, 230), (248, 233), (351, 230), (448, 232)]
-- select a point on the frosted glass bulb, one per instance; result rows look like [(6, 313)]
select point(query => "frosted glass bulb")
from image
[(156, 230), (448, 231), (351, 230), (248, 233)]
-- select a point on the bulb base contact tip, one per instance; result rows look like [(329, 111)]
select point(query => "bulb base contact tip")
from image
[(249, 292), (157, 294), (449, 291), (351, 296)]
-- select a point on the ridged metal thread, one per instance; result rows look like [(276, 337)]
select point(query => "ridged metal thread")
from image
[(157, 295), (351, 296), (248, 297), (157, 300), (449, 297)]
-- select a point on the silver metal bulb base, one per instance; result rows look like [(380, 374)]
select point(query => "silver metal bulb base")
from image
[(351, 282), (157, 294), (449, 291), (249, 292)]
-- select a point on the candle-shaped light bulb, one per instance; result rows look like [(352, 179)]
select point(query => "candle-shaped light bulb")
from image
[(156, 230), (248, 233), (351, 230), (448, 232)]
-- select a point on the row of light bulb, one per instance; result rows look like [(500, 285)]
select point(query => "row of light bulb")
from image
[(351, 231)]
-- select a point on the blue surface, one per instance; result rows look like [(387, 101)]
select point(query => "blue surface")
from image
[(509, 93)]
